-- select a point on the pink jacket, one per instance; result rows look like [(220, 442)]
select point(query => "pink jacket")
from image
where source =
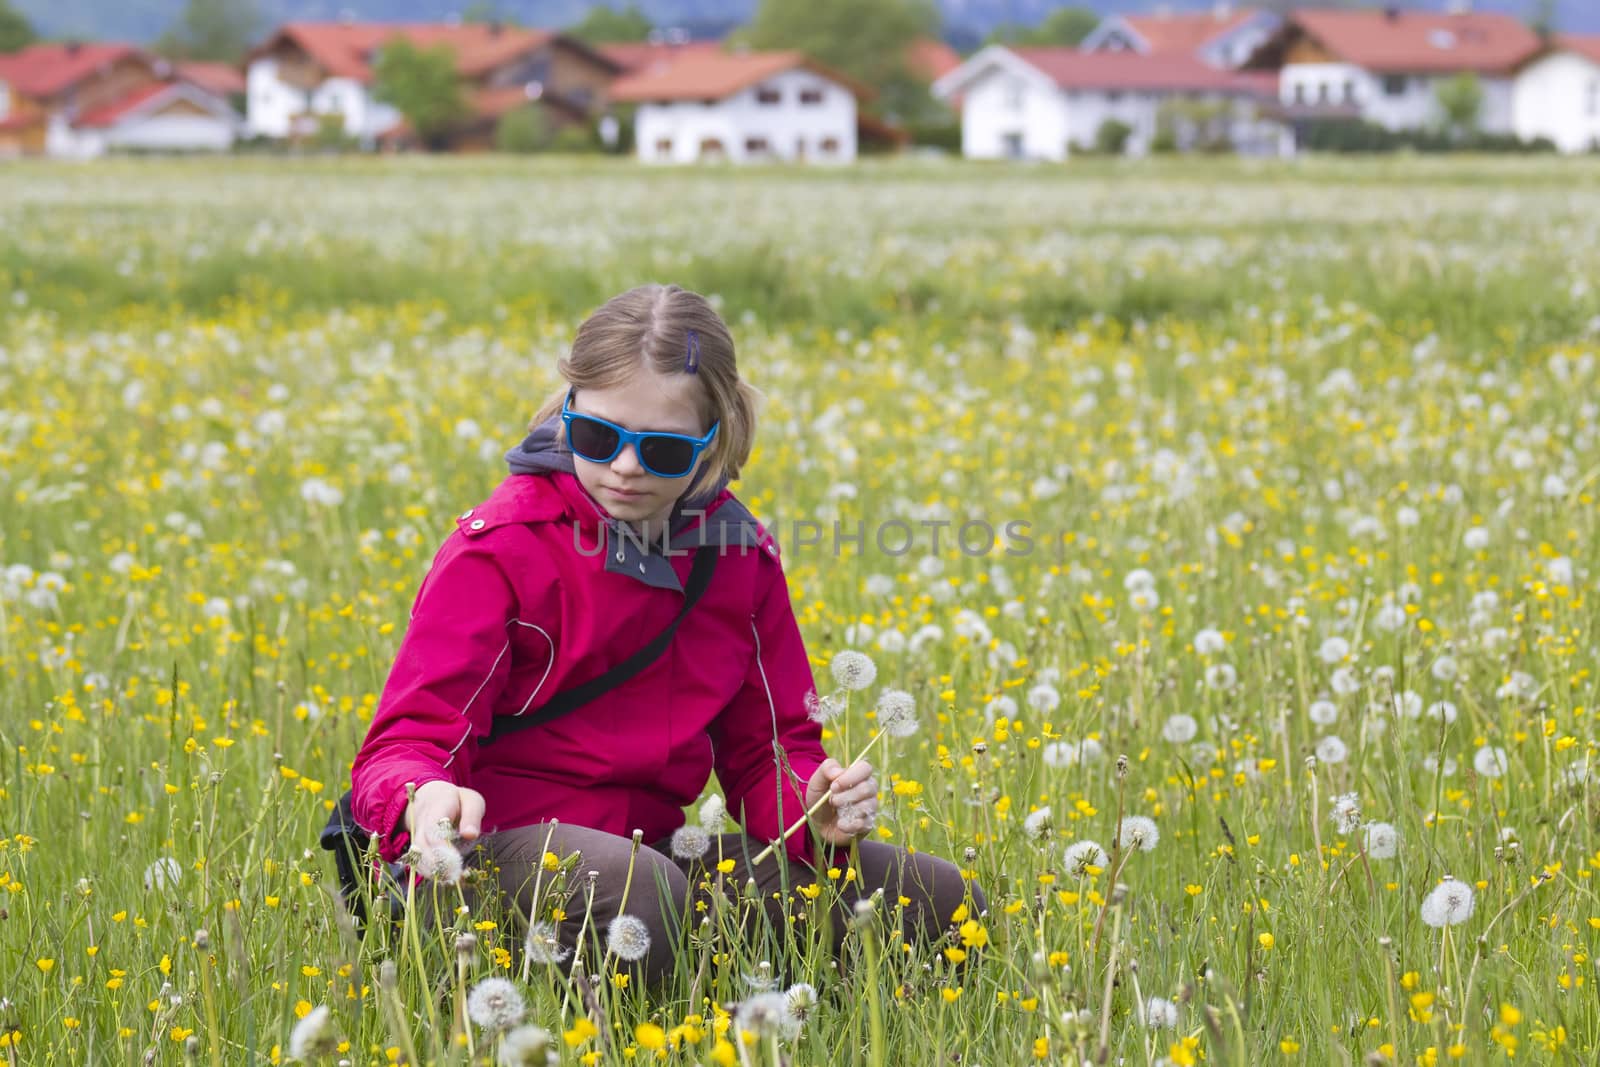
[(519, 605)]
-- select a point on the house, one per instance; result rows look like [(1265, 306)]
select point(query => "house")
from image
[(741, 107), (1386, 66), (306, 73), (81, 100), (1557, 95), (1044, 102), (1222, 37)]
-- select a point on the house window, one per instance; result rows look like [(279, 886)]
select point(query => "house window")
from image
[(1324, 93), (1012, 144), (1591, 104), (1299, 92), (664, 148), (830, 146), (1394, 85), (756, 146), (1015, 92), (1349, 91), (1114, 96), (811, 97), (768, 96)]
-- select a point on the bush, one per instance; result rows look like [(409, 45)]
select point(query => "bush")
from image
[(1112, 137), (1165, 141), (522, 130), (942, 134), (1356, 135), (575, 138)]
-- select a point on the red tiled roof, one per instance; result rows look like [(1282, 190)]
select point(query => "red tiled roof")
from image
[(634, 56), (46, 69), (219, 78), (1586, 45), (1420, 41), (1071, 68), (345, 50), (1185, 32), (931, 58), (716, 75), (108, 114), (493, 103)]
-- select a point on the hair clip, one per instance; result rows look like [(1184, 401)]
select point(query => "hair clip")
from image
[(691, 363)]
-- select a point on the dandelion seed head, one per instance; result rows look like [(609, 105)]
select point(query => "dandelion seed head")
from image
[(1037, 825), (1160, 1013), (713, 810), (766, 1014), (1383, 841), (854, 670), (1448, 904), (1083, 854), (628, 937), (1345, 811), (897, 713), (441, 864), (543, 946), (162, 874), (526, 1046), (1490, 761), (1138, 832), (1180, 729), (313, 1035), (496, 1004), (690, 842)]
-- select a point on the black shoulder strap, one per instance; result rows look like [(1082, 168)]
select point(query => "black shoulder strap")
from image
[(705, 563)]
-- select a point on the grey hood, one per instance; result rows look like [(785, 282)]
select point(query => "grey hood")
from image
[(730, 525)]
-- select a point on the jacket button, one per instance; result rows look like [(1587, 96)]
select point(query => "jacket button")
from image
[(467, 514), (641, 568), (477, 524)]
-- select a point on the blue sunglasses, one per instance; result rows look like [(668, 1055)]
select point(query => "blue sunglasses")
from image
[(665, 455)]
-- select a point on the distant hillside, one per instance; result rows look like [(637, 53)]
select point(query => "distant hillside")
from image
[(965, 20)]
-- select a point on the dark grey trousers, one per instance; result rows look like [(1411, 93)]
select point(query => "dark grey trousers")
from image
[(923, 891)]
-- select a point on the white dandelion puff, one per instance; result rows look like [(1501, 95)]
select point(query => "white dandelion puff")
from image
[(690, 842), (802, 998), (1476, 539), (1138, 579), (543, 946), (1140, 832), (1442, 711), (1081, 855), (313, 1035), (766, 1014), (526, 1046), (1489, 761), (1383, 841), (1037, 825), (1344, 681), (1333, 650), (1221, 676), (1444, 669), (713, 809), (163, 873), (1345, 811), (897, 713), (1144, 601), (822, 709), (441, 864), (628, 938), (854, 670), (1060, 754), (1160, 1013), (1045, 698), (496, 1004), (1209, 642), (1180, 729), (1323, 712), (1331, 749), (1448, 904)]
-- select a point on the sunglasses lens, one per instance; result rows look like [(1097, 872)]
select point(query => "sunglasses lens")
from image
[(666, 456), (592, 440)]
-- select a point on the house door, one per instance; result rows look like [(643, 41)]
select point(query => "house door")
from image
[(1011, 145), (711, 149)]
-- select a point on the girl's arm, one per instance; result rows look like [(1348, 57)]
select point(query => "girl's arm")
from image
[(764, 792), (440, 694)]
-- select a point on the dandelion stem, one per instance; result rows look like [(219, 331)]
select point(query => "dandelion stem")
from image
[(533, 904), (812, 810)]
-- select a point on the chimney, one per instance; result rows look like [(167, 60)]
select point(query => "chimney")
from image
[(73, 47), (1392, 12), (1222, 10), (1459, 7), (495, 26)]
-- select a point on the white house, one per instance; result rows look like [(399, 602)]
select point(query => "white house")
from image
[(1386, 66), (309, 72), (167, 117), (741, 107), (1223, 37), (1557, 95), (1044, 103)]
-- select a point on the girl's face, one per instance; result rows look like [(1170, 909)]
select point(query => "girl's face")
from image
[(646, 400)]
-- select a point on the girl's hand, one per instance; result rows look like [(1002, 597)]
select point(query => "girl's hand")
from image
[(440, 802), (853, 793)]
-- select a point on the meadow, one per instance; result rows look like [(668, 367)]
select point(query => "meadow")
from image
[(1306, 455)]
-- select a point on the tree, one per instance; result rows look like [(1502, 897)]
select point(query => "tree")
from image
[(1066, 26), (1544, 20), (522, 130), (217, 30), (604, 24), (16, 32), (421, 84), (1460, 98), (1112, 137), (867, 42), (487, 12)]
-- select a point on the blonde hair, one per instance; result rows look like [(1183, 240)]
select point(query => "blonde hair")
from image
[(651, 324)]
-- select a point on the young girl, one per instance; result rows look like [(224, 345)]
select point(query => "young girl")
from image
[(577, 560)]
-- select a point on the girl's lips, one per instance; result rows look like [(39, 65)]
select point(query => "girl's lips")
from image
[(624, 494)]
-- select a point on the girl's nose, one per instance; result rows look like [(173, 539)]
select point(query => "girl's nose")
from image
[(627, 462)]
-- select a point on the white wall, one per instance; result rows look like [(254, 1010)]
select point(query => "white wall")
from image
[(175, 133), (1088, 109), (1414, 107), (269, 102), (5, 100), (1006, 114), (792, 130), (1558, 97)]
